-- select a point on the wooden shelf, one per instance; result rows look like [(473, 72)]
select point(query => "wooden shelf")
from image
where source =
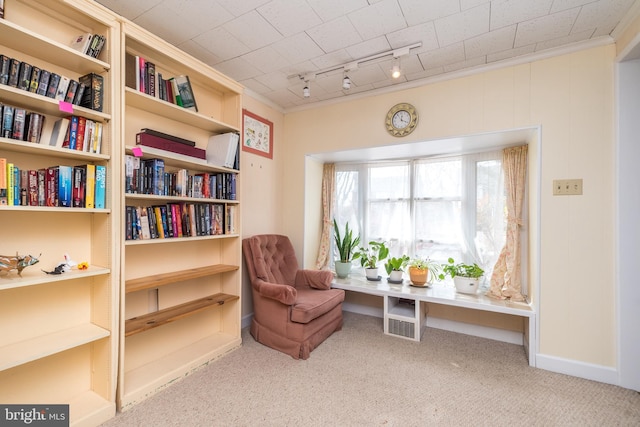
[(153, 198), (15, 354), (32, 276), (31, 43), (171, 111), (150, 282), (143, 323), (179, 160), (16, 146)]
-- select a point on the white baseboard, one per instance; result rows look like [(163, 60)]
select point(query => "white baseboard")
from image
[(575, 368)]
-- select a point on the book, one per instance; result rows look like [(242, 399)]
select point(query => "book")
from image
[(96, 146), (7, 121), (59, 132), (79, 94), (82, 126), (93, 92), (42, 173), (14, 72), (90, 127), (142, 73), (70, 141), (35, 122), (19, 120), (54, 82), (24, 76), (65, 186), (177, 98), (5, 66), (221, 149), (185, 90), (33, 187), (145, 232), (43, 84), (10, 183), (51, 186), (90, 186), (34, 79), (169, 145), (71, 91), (168, 136), (3, 181), (131, 76), (1, 9), (150, 78), (97, 43), (101, 186), (78, 194), (63, 85), (81, 42)]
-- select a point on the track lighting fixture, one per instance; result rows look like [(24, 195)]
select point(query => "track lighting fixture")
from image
[(346, 82), (395, 71), (354, 65)]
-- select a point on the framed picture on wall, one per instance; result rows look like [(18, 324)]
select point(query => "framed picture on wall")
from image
[(257, 134)]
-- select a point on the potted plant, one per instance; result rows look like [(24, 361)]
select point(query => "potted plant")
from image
[(419, 269), (345, 245), (395, 267), (369, 257), (466, 277)]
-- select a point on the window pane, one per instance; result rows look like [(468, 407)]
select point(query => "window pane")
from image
[(490, 213), (438, 178), (389, 182), (390, 221), (438, 229)]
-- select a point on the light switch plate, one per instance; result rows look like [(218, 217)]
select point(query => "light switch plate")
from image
[(567, 187)]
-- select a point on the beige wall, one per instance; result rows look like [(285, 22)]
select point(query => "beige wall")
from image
[(571, 98)]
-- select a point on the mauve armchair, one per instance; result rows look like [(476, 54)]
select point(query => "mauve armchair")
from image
[(294, 310)]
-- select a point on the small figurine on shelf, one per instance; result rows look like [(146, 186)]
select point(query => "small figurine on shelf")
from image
[(17, 262), (64, 266)]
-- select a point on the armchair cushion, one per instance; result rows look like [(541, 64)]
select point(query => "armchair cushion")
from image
[(312, 304), (317, 279), (283, 293)]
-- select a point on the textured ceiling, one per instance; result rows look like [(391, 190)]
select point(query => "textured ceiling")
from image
[(263, 43)]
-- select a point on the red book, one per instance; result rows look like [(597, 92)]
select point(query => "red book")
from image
[(33, 187), (168, 145), (82, 123), (51, 187)]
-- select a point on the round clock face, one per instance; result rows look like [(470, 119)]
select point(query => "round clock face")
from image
[(401, 119)]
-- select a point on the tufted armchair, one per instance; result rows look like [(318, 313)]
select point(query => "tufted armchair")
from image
[(294, 310)]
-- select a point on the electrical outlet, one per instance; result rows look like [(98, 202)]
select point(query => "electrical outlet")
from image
[(567, 187)]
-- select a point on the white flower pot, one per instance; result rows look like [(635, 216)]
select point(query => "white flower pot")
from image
[(395, 276), (466, 285), (371, 273)]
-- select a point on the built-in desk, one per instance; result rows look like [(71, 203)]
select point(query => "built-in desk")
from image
[(405, 316)]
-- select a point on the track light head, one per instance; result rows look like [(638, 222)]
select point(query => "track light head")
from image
[(395, 71), (306, 92), (346, 82)]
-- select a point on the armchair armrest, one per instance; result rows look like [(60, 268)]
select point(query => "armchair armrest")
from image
[(317, 279), (283, 293)]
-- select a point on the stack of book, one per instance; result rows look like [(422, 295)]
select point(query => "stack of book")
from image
[(86, 91), (174, 144), (89, 44), (82, 186), (142, 75)]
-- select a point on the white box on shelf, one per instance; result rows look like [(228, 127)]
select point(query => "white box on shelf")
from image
[(221, 149)]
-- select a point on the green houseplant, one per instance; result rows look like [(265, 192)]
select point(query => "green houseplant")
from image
[(395, 267), (419, 269), (345, 243), (466, 277), (370, 256)]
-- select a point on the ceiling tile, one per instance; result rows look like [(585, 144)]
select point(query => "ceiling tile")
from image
[(130, 9), (560, 5), (253, 30), (491, 42), (297, 48), (255, 86), (238, 8), (573, 38), (464, 25), (266, 59), (289, 17), (509, 12), (441, 57), (378, 19), (474, 62), (420, 11), (425, 33), (468, 4), (221, 43), (332, 59), (511, 53), (328, 10), (605, 14), (197, 51), (369, 47), (274, 81), (545, 28), (238, 69), (334, 35)]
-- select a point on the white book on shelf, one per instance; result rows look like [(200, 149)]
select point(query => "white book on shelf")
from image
[(221, 149), (60, 129)]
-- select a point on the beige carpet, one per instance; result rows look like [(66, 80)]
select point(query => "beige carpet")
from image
[(361, 377)]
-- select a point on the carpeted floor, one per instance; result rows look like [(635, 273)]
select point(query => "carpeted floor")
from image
[(361, 377)]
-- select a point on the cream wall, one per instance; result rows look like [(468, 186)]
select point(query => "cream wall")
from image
[(261, 187), (571, 98)]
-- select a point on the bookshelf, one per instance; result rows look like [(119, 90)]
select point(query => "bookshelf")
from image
[(180, 299), (59, 333)]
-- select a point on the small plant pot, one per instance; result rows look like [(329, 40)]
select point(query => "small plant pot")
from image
[(466, 285), (418, 276), (395, 276), (371, 273), (342, 269)]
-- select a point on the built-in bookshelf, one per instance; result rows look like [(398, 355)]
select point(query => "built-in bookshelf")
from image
[(180, 299), (59, 332)]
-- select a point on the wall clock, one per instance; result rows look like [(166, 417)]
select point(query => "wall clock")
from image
[(401, 119)]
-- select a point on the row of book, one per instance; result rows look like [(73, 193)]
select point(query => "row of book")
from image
[(142, 75), (148, 176), (81, 186), (179, 220), (86, 91), (21, 124), (89, 44)]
